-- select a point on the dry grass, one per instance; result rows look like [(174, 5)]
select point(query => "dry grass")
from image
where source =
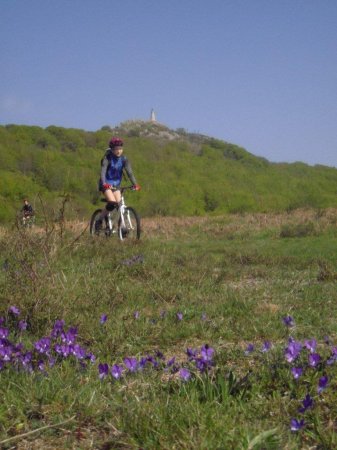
[(226, 225)]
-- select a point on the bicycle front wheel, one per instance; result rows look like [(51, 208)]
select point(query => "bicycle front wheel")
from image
[(129, 225), (96, 230)]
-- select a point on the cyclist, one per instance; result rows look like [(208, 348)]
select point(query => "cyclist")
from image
[(27, 211), (112, 168)]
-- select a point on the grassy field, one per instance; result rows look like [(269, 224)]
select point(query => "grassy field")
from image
[(214, 333)]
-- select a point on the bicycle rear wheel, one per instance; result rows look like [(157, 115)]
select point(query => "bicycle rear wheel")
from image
[(96, 230), (131, 230)]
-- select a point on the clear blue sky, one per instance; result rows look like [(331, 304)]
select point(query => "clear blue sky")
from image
[(258, 73)]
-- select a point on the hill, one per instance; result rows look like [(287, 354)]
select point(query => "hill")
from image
[(181, 173)]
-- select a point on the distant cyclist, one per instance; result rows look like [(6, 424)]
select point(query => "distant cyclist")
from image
[(27, 212), (113, 166)]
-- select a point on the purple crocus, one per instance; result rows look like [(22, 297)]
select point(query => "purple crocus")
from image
[(266, 346), (57, 328), (297, 372), (43, 345), (184, 374), (103, 370), (207, 353), (70, 336), (293, 350), (131, 364), (307, 403), (78, 351), (310, 344), (191, 353), (249, 349), (116, 371), (296, 425), (22, 325), (180, 316), (322, 383), (171, 362), (14, 310), (136, 315), (4, 332), (203, 316), (103, 319), (314, 359), (288, 321), (6, 353)]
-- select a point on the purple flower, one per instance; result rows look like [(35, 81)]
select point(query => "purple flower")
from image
[(26, 359), (43, 345), (103, 370), (14, 310), (4, 332), (79, 351), (266, 347), (203, 316), (191, 353), (103, 318), (297, 372), (288, 321), (207, 353), (307, 403), (131, 364), (310, 344), (171, 361), (322, 383), (296, 425), (2, 321), (57, 328), (116, 371), (180, 316), (6, 353), (184, 374), (249, 349), (136, 314), (333, 356), (314, 359), (22, 325), (91, 357), (293, 350), (70, 336)]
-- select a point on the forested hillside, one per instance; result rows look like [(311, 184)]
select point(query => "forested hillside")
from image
[(180, 173)]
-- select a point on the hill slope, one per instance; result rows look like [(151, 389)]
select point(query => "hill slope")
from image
[(180, 173)]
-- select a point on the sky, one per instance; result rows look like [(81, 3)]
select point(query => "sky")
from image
[(261, 74)]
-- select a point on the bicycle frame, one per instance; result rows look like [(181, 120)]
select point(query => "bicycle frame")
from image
[(113, 218)]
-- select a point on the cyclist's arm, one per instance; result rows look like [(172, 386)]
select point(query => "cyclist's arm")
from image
[(104, 167), (129, 172)]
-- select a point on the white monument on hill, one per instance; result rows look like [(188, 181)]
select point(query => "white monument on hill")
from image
[(153, 116)]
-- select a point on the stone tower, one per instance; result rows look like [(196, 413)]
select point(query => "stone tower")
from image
[(153, 116)]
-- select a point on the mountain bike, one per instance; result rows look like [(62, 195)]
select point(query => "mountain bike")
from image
[(27, 220), (122, 221)]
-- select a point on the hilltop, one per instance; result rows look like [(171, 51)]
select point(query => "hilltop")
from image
[(181, 173)]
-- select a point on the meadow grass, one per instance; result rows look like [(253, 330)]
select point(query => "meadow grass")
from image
[(223, 281)]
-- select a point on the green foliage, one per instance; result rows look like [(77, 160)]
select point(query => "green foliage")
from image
[(180, 173)]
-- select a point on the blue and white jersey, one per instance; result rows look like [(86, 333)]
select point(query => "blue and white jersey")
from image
[(112, 169)]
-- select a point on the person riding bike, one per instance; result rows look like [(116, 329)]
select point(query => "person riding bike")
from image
[(112, 168), (27, 212)]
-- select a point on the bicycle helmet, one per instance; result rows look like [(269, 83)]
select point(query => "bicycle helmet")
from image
[(115, 142)]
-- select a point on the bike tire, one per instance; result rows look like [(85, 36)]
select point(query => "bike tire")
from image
[(132, 228), (93, 220)]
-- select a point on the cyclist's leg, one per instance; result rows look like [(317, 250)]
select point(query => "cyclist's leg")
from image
[(111, 198)]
